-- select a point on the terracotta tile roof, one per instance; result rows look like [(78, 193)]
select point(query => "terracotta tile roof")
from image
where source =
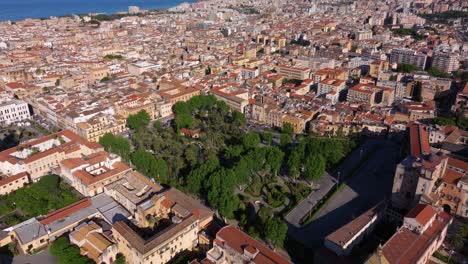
[(65, 211), (348, 232), (456, 163), (452, 176), (419, 141), (72, 145), (87, 178), (73, 162), (406, 247), (238, 241), (422, 213), (13, 178)]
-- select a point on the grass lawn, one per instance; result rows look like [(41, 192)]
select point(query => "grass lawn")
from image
[(39, 198)]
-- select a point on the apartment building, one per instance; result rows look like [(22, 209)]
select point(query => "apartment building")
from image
[(142, 66), (370, 94), (236, 98), (179, 93), (22, 90), (132, 104), (423, 113), (322, 74), (12, 111), (408, 56), (39, 156), (427, 87), (259, 110), (363, 35), (378, 66), (446, 61), (297, 120), (328, 85), (13, 74), (96, 74), (294, 73), (234, 246), (277, 40), (361, 93), (423, 232), (97, 126), (89, 174)]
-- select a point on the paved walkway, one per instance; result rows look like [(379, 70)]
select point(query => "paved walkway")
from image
[(326, 183)]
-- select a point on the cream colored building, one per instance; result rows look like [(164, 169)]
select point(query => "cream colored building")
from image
[(328, 85), (132, 105), (371, 95), (89, 174), (178, 93), (96, 127), (295, 73), (12, 111), (236, 98), (13, 183), (178, 217), (93, 243), (39, 156), (96, 74)]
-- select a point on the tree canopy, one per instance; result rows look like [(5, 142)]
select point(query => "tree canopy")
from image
[(275, 231), (312, 156), (288, 128), (138, 120), (148, 164), (116, 144), (435, 72), (314, 167), (406, 68), (442, 121), (120, 259)]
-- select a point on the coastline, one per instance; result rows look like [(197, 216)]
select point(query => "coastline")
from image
[(115, 11)]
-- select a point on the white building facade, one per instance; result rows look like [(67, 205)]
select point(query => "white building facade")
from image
[(12, 111)]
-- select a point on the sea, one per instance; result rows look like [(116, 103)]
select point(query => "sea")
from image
[(15, 10)]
